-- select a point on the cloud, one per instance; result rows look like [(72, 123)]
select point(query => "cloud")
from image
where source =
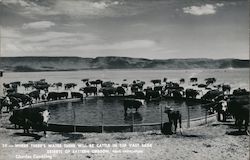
[(74, 8), (15, 43), (207, 9), (86, 8), (15, 2), (219, 4), (38, 25)]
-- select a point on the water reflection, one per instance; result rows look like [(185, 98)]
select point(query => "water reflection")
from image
[(133, 117)]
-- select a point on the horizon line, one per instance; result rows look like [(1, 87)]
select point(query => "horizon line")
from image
[(116, 57)]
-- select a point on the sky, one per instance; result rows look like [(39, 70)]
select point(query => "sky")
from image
[(153, 29)]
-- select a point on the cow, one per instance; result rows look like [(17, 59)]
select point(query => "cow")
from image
[(35, 118), (226, 88), (155, 81), (107, 84), (191, 93), (210, 81), (35, 95), (125, 85), (152, 95), (25, 99), (240, 111), (182, 80), (211, 95), (76, 95), (107, 91), (89, 90), (173, 117), (69, 86), (176, 94), (240, 92), (96, 82), (57, 95), (132, 104), (27, 85), (62, 95), (120, 90), (193, 79), (139, 95), (10, 103), (57, 85)]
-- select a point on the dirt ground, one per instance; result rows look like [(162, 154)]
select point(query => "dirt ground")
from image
[(215, 141)]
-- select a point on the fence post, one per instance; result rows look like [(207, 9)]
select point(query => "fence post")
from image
[(132, 122), (188, 120), (102, 117), (161, 117), (205, 115), (74, 116)]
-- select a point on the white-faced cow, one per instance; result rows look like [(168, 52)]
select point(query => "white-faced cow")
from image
[(35, 118)]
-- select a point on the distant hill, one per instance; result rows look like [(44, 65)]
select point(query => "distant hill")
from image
[(27, 64)]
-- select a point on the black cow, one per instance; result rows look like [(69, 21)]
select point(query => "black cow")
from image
[(191, 93), (96, 82), (35, 118), (202, 85), (176, 94), (107, 84), (193, 79), (62, 95), (120, 90), (76, 95), (132, 103), (25, 99), (211, 95), (152, 95), (52, 96), (240, 92), (173, 117), (240, 111), (57, 95), (35, 95), (125, 85), (155, 81), (226, 88), (158, 88), (69, 86), (10, 103), (6, 85), (58, 84), (27, 85), (139, 95), (89, 90), (107, 91), (182, 80), (18, 83), (210, 81)]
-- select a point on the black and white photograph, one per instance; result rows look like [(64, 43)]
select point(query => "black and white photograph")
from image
[(124, 80)]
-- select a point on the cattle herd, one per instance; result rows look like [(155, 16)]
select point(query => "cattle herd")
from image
[(224, 101)]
